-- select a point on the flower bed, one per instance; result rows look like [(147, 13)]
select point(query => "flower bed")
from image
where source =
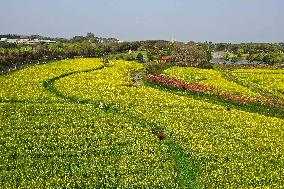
[(176, 83), (202, 88)]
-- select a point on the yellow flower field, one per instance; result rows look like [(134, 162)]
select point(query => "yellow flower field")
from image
[(81, 123), (271, 81)]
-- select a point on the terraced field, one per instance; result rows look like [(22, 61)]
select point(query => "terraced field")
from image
[(85, 124), (270, 81), (220, 85)]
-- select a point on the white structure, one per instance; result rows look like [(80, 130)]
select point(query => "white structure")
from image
[(26, 41)]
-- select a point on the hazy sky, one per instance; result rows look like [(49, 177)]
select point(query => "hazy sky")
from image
[(183, 20)]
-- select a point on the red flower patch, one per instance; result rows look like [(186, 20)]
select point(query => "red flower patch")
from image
[(176, 83), (166, 58), (201, 88)]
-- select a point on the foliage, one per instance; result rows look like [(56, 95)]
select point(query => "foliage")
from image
[(227, 56), (154, 68), (247, 48), (188, 55), (240, 52), (154, 55), (272, 58), (150, 56), (268, 58), (140, 58), (234, 59)]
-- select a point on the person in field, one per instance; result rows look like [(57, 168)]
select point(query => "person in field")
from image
[(161, 136)]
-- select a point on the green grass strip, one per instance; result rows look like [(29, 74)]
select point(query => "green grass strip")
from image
[(186, 168)]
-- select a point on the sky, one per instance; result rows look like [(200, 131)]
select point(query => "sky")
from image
[(232, 21)]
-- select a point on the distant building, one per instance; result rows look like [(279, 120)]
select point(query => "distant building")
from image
[(47, 41), (27, 41), (11, 40), (23, 41)]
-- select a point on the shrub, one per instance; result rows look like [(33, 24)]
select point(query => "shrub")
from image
[(140, 58)]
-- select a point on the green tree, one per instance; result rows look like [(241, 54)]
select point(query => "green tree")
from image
[(235, 58), (240, 52), (259, 57), (90, 35), (251, 57), (140, 58), (227, 56), (209, 55), (150, 56), (272, 58), (188, 55)]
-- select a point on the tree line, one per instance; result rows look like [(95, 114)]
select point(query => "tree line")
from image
[(268, 53), (178, 53), (92, 46)]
